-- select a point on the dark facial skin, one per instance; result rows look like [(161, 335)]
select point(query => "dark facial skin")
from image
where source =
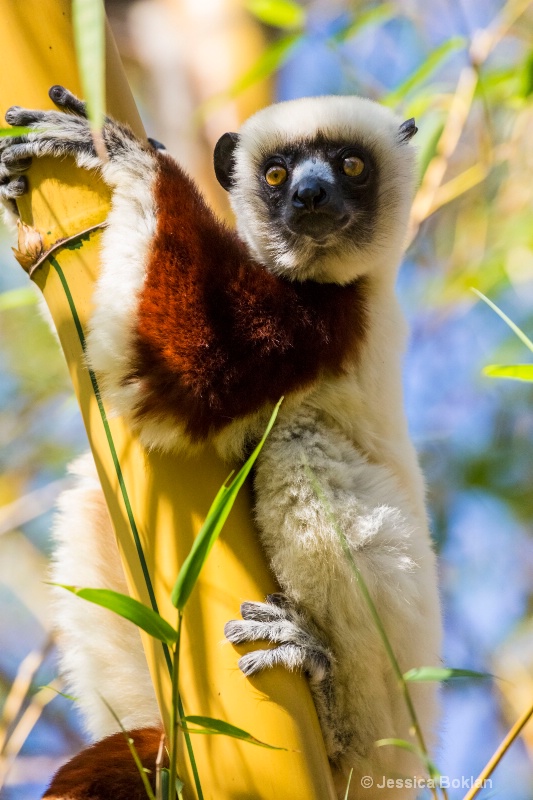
[(316, 203), (316, 207)]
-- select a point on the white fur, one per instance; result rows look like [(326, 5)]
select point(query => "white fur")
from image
[(101, 653), (359, 122), (393, 552), (352, 429), (131, 226)]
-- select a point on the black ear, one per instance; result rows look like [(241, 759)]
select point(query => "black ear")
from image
[(223, 159), (407, 130)]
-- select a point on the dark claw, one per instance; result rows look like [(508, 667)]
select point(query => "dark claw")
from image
[(156, 145), (66, 100), (277, 599)]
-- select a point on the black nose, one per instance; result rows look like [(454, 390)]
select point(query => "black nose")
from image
[(310, 195)]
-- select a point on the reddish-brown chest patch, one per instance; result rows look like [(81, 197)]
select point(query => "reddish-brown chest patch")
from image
[(218, 336)]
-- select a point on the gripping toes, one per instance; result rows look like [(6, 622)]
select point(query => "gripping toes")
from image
[(297, 645)]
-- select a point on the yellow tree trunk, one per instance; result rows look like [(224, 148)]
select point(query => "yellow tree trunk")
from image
[(157, 503)]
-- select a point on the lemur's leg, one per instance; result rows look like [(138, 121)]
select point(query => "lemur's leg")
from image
[(336, 641)]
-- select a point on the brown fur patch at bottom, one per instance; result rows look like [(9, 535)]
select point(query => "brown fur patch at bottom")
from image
[(106, 770)]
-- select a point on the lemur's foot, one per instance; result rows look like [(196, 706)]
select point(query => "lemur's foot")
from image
[(298, 646)]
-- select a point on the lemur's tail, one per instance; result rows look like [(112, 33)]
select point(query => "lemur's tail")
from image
[(107, 771)]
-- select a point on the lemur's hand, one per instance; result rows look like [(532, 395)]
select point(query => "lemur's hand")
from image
[(58, 134), (53, 133)]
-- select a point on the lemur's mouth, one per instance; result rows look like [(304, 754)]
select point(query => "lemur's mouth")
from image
[(319, 227)]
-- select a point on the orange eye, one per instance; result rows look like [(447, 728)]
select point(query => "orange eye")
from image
[(353, 166), (276, 175)]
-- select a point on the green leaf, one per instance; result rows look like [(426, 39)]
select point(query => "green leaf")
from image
[(280, 13), (216, 517), (425, 70), (216, 727), (521, 335), (162, 792), (128, 608), (16, 298), (88, 19), (376, 15), (442, 674), (165, 783), (16, 130), (272, 58), (517, 372)]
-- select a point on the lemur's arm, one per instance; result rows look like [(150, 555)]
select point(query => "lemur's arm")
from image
[(187, 327)]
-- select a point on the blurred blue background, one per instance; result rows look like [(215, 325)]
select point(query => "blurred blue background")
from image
[(465, 70)]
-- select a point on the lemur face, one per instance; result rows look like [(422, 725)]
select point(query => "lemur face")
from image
[(320, 189), (321, 186)]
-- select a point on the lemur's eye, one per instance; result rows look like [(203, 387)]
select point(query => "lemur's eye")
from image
[(276, 175), (353, 166)]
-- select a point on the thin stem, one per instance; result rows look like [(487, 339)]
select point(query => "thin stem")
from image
[(493, 762), (175, 718), (158, 768)]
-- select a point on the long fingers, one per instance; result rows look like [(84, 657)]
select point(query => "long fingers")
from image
[(14, 189), (67, 101)]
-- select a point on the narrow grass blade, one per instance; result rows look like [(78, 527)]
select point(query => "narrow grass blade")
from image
[(16, 130), (61, 694), (442, 674), (216, 517), (521, 335), (280, 13), (421, 750), (425, 71), (401, 743), (88, 19), (143, 772), (213, 727), (404, 745), (128, 608), (516, 372), (348, 785)]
